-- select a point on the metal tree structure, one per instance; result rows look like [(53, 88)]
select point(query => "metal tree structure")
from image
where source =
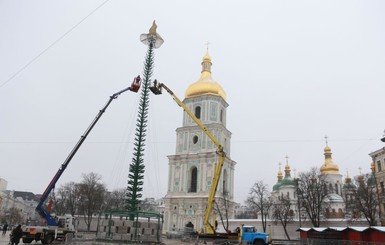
[(136, 170)]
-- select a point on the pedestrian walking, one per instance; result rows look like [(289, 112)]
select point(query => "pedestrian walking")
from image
[(17, 233), (5, 228)]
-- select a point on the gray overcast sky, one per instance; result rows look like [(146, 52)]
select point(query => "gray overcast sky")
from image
[(293, 71)]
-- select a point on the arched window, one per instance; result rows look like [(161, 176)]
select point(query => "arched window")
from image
[(195, 139), (221, 116), (194, 179), (198, 112)]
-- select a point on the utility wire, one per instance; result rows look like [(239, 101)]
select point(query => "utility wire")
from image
[(46, 49), (162, 141)]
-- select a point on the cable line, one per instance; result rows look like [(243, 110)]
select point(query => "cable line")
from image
[(55, 42)]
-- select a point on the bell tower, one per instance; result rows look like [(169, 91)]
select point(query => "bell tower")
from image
[(191, 169)]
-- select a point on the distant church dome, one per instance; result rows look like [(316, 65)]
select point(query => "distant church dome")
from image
[(278, 184), (329, 167), (205, 84), (348, 183), (288, 180)]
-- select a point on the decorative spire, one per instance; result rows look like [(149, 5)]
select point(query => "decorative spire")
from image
[(206, 63), (280, 177), (347, 178), (207, 46), (287, 167)]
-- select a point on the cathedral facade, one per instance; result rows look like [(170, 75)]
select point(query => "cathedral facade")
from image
[(191, 168), (334, 202)]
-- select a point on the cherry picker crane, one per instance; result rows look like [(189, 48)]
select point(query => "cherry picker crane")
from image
[(58, 227)]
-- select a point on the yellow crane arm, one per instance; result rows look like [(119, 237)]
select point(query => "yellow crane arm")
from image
[(209, 228)]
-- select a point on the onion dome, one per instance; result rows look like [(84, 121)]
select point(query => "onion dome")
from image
[(329, 167), (278, 184), (288, 180), (205, 84), (348, 183)]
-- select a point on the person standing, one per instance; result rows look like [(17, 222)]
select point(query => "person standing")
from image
[(17, 233), (5, 228)]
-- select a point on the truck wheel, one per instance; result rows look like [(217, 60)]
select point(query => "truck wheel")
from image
[(27, 240), (48, 239), (258, 242)]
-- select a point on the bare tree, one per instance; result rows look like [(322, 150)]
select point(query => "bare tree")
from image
[(116, 199), (14, 216), (283, 213), (67, 199), (222, 206), (92, 193), (312, 190), (366, 197), (72, 191), (259, 200), (59, 207)]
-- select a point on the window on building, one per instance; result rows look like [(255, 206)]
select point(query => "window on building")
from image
[(195, 139), (379, 169), (336, 186), (382, 187), (221, 116), (225, 177), (194, 179), (198, 112)]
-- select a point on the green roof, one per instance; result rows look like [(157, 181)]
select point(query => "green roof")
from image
[(288, 180)]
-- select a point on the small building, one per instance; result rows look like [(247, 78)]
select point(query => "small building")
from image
[(378, 166), (371, 235)]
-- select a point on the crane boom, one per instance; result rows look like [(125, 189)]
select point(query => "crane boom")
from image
[(209, 228), (39, 208)]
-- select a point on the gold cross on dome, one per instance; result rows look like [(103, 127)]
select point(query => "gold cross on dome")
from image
[(207, 45)]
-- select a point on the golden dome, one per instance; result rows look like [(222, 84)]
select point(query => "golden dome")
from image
[(329, 167), (280, 176), (205, 84)]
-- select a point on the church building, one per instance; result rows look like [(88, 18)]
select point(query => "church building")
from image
[(191, 169), (334, 201)]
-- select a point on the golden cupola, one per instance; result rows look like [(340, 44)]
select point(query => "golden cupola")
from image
[(205, 84), (329, 167), (278, 184)]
